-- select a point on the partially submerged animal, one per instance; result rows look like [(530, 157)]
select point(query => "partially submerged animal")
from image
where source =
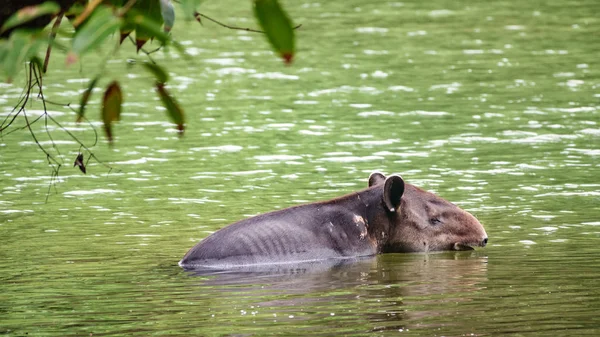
[(390, 216)]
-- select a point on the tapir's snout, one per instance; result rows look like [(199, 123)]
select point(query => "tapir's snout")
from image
[(484, 242)]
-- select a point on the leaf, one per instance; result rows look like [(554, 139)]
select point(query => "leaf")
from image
[(85, 98), (95, 30), (111, 107), (277, 26), (79, 162), (20, 48), (3, 50), (29, 13), (168, 14), (189, 8), (148, 19), (173, 109), (158, 72), (87, 11), (126, 27)]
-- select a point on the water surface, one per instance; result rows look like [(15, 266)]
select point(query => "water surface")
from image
[(492, 105)]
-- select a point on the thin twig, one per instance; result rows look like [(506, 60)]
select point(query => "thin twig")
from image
[(80, 142), (144, 50), (24, 126), (24, 96), (196, 15), (41, 95), (49, 157), (52, 37)]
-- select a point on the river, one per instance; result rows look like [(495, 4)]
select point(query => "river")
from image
[(493, 105)]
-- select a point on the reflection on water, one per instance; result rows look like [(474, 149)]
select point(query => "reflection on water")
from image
[(416, 274), (384, 289)]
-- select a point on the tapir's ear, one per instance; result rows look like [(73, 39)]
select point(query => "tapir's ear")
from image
[(392, 192), (376, 178)]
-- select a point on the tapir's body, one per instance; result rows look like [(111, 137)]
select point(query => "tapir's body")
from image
[(389, 216)]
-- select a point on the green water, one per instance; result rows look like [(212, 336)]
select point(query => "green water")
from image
[(494, 105)]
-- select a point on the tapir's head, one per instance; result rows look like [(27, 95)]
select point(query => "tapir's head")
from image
[(420, 221)]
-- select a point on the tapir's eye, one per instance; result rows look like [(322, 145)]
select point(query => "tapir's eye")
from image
[(435, 221)]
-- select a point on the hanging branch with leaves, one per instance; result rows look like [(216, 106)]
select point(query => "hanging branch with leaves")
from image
[(23, 37)]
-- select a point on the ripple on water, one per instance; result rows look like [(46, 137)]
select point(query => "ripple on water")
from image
[(581, 109), (225, 61), (275, 76), (277, 157), (247, 173), (440, 13), (379, 74), (593, 132), (344, 89), (589, 152), (360, 105), (450, 87), (219, 149), (233, 71), (191, 200), (351, 159), (312, 133), (402, 154), (369, 143), (424, 113), (547, 229), (417, 33), (91, 192), (401, 88), (371, 30), (48, 142), (13, 211), (142, 160), (375, 113), (375, 52)]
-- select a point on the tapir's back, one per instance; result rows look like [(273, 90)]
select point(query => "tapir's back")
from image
[(302, 233)]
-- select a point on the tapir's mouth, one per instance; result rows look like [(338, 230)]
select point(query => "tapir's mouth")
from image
[(463, 246)]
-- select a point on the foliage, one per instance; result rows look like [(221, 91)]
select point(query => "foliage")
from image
[(23, 36)]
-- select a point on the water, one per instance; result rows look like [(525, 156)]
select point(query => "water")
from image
[(492, 105)]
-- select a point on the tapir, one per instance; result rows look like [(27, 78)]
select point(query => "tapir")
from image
[(390, 216)]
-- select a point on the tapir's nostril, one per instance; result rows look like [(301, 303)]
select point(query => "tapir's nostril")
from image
[(484, 242)]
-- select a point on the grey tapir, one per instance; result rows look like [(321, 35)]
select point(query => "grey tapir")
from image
[(390, 216)]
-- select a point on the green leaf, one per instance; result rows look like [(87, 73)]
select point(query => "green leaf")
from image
[(148, 21), (95, 30), (277, 26), (158, 72), (85, 98), (189, 8), (173, 109), (111, 107), (20, 48), (3, 50), (29, 13), (126, 27)]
